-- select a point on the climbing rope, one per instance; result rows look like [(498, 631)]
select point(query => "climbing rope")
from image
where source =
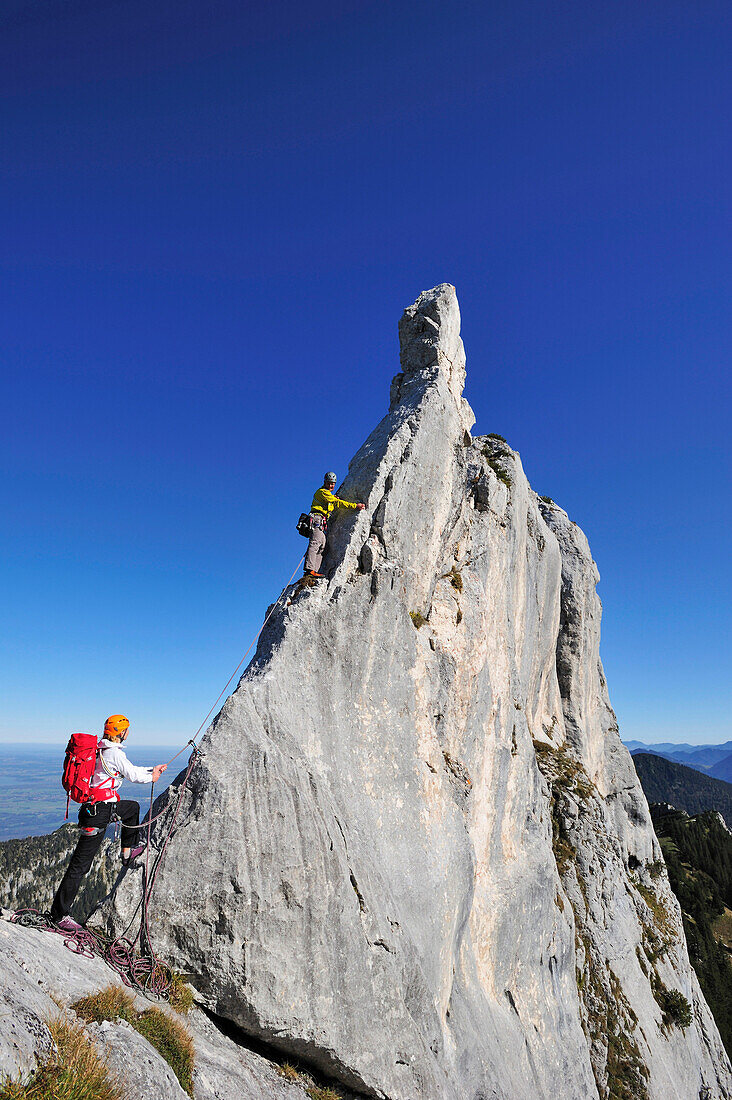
[(135, 960), (151, 875), (145, 973), (241, 662)]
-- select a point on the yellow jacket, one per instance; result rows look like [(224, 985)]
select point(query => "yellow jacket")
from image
[(325, 502)]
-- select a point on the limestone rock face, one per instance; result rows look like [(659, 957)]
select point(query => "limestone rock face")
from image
[(415, 851)]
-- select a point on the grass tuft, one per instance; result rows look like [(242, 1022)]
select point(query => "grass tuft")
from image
[(306, 1082), (110, 1003), (180, 994), (169, 1037), (658, 933), (417, 618), (75, 1070)]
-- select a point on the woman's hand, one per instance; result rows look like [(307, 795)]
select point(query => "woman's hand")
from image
[(158, 771)]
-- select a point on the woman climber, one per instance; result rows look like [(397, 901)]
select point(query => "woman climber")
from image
[(112, 766)]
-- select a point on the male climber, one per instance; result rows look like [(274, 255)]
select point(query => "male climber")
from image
[(324, 502), (112, 766)]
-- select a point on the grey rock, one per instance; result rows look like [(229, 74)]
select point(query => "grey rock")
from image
[(40, 977), (413, 824), (227, 1071), (144, 1073), (369, 556), (23, 1014)]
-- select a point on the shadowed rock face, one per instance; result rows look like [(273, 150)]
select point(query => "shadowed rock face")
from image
[(415, 851)]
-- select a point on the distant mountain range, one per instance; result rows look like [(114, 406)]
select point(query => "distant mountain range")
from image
[(714, 760), (684, 787)]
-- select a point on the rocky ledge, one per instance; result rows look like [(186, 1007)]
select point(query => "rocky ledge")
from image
[(41, 979)]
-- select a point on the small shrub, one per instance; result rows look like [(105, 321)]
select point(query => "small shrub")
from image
[(318, 1093), (74, 1070), (678, 1009), (417, 618), (498, 470), (289, 1072), (547, 500), (495, 435), (675, 1009)]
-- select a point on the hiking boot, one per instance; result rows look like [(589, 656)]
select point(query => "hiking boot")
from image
[(312, 573), (134, 853), (68, 924)]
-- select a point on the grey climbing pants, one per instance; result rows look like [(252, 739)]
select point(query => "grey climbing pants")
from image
[(316, 546)]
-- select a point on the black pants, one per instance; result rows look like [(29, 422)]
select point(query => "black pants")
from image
[(94, 818)]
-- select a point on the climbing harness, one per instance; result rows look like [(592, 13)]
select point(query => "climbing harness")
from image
[(135, 960)]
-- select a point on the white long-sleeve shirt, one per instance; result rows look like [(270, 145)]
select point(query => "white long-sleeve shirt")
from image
[(111, 768)]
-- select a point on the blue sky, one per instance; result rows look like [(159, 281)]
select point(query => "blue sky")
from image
[(214, 216)]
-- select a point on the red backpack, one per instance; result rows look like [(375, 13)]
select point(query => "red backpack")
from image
[(79, 764)]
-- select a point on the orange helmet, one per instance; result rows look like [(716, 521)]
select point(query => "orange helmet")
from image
[(116, 724)]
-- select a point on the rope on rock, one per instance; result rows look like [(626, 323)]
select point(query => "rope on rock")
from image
[(150, 876), (135, 960), (145, 973)]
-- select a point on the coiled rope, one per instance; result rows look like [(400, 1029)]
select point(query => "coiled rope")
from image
[(143, 972), (135, 960)]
